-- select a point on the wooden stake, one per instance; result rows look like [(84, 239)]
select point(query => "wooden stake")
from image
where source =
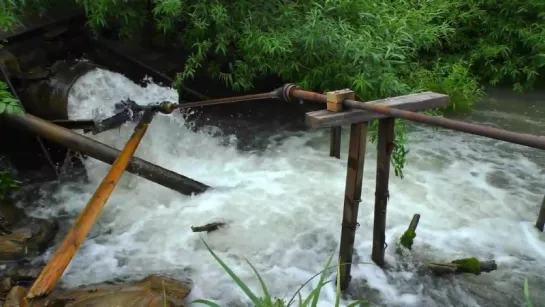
[(385, 145), (407, 239), (352, 198), (540, 223), (335, 142), (56, 266), (335, 101)]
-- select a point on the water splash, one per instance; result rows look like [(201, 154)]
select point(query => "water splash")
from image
[(284, 208)]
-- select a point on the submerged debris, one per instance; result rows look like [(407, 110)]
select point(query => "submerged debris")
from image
[(208, 227), (466, 265)]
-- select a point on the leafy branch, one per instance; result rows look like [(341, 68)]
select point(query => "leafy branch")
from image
[(8, 103)]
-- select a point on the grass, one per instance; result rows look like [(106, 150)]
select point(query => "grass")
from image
[(268, 301), (527, 294), (311, 300)]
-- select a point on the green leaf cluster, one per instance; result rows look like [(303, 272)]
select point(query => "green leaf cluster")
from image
[(8, 103)]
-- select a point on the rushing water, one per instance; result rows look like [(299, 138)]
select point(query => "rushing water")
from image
[(283, 205)]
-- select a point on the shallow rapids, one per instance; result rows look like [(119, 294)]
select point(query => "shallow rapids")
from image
[(477, 197)]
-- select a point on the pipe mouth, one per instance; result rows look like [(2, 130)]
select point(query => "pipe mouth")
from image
[(48, 98), (65, 74)]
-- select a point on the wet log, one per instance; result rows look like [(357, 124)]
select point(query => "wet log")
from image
[(407, 239), (208, 227), (466, 265), (104, 153)]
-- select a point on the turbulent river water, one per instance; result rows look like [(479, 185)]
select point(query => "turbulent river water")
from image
[(283, 204)]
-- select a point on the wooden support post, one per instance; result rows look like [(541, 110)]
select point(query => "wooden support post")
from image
[(55, 267), (541, 217), (407, 239), (335, 142), (385, 146), (335, 104), (352, 198)]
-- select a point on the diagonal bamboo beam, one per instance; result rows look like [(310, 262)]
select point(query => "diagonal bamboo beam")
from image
[(56, 266)]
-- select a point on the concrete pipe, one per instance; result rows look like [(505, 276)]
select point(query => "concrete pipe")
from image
[(48, 99)]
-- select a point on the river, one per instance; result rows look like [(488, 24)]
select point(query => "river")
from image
[(283, 205)]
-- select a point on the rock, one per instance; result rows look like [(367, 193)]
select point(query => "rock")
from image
[(152, 291), (5, 285), (13, 246), (42, 232), (15, 297), (20, 272), (28, 241), (10, 214)]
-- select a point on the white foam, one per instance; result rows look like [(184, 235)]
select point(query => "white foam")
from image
[(284, 205)]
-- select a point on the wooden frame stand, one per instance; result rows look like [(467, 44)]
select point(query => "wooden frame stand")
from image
[(336, 116)]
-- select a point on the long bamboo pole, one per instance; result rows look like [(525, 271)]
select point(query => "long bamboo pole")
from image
[(56, 266)]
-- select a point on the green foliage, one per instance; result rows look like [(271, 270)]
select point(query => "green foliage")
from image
[(469, 265), (12, 12), (377, 48), (8, 103), (269, 301), (504, 41), (7, 183)]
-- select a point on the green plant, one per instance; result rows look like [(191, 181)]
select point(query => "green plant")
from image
[(8, 103), (527, 294), (269, 301), (7, 183)]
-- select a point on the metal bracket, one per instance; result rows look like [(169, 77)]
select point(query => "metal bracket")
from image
[(283, 93), (335, 99)]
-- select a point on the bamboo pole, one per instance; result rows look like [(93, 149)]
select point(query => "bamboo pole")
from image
[(103, 152), (385, 146), (56, 266), (352, 198)]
